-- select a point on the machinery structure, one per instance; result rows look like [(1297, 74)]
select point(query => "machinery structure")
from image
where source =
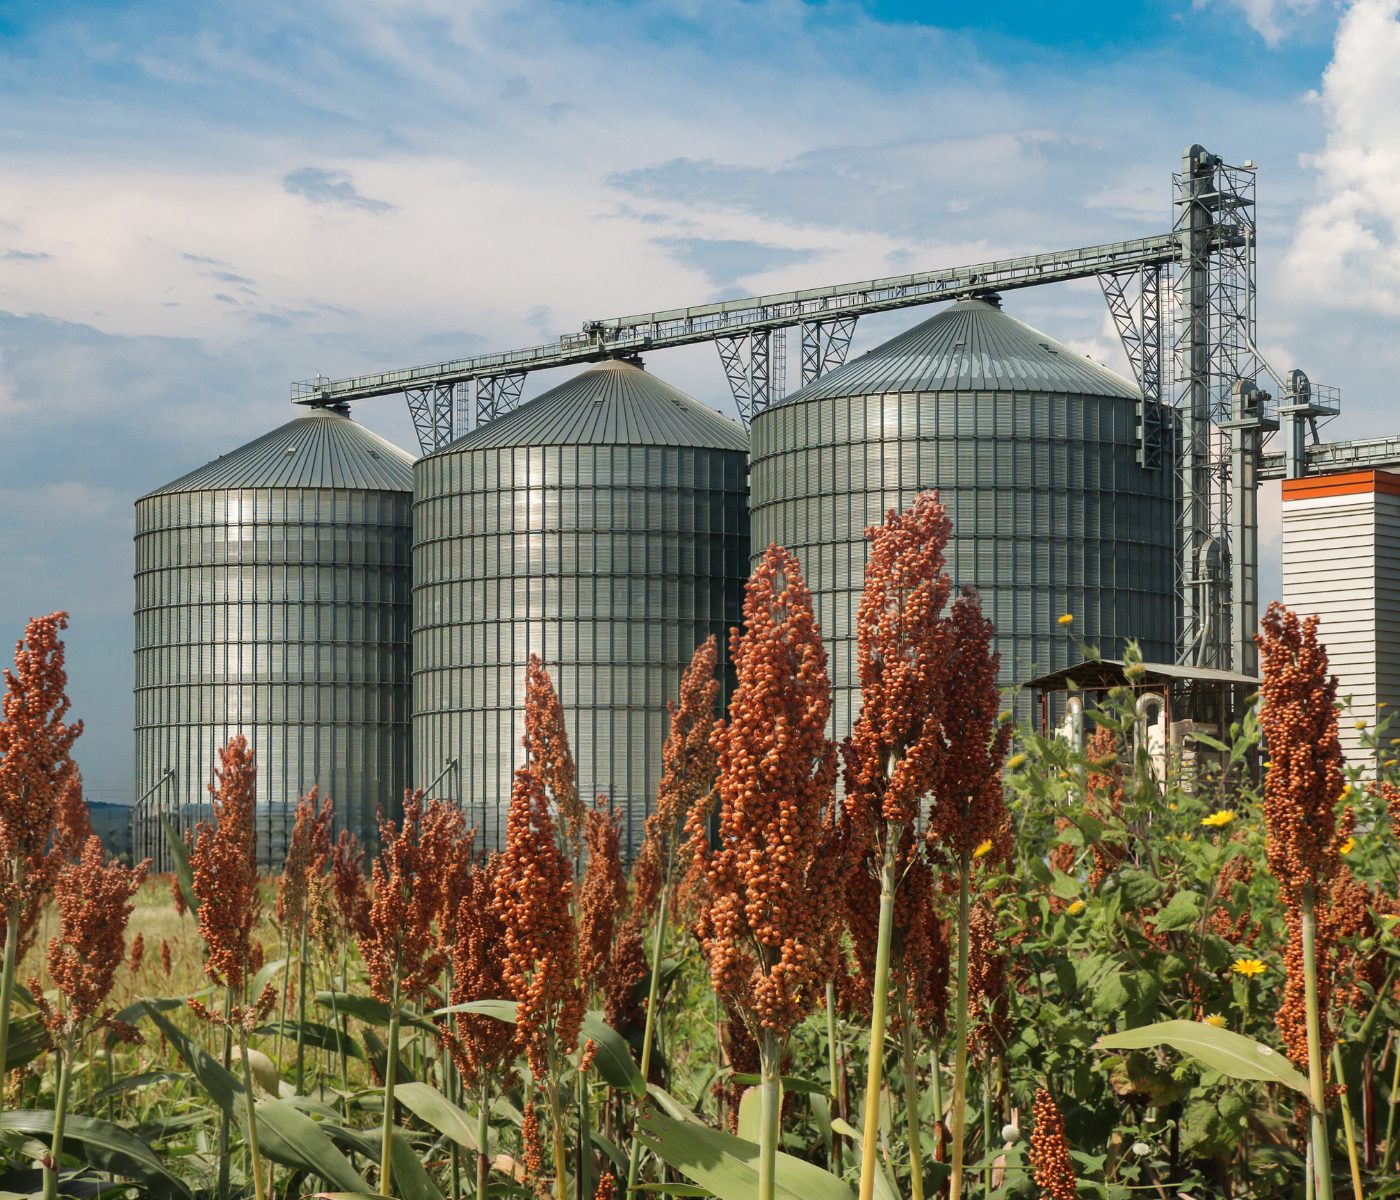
[(1183, 301)]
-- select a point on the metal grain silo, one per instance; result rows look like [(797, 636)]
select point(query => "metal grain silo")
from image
[(1034, 450), (273, 599), (602, 526)]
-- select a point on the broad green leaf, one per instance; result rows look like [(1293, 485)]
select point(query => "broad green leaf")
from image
[(884, 1188), (377, 1055), (728, 1166), (1111, 995), (368, 1009), (1139, 888), (180, 856), (613, 1060), (293, 1139), (432, 1107), (671, 1106), (750, 1115), (105, 1146), (673, 1189), (1221, 1050), (315, 1035), (1181, 912), (790, 1083), (134, 1082), (1066, 887), (264, 977), (28, 1040), (613, 1151), (408, 1176), (502, 1010), (222, 1085)]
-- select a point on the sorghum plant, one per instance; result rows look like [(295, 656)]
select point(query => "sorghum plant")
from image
[(548, 755), (224, 863), (400, 946), (534, 897), (1301, 791), (771, 927), (35, 742), (94, 904), (1054, 1173), (308, 857), (676, 833)]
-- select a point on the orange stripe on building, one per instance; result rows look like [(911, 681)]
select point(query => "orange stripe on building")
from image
[(1342, 483)]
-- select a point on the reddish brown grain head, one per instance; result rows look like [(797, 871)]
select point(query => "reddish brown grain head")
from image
[(93, 898), (534, 896), (224, 861), (400, 949), (969, 807), (548, 755), (685, 796), (603, 893), (1305, 778), (350, 888), (308, 855), (903, 643), (165, 963), (138, 952), (771, 924), (480, 1046), (35, 741), (1054, 1172)]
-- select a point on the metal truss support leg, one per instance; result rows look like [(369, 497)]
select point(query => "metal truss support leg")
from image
[(756, 366), (497, 395), (1135, 303), (824, 345), (431, 410)]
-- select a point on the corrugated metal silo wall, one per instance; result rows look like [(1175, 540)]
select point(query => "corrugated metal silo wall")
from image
[(612, 563), (281, 614), (1051, 515)]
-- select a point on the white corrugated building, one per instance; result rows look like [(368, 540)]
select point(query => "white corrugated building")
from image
[(1341, 560)]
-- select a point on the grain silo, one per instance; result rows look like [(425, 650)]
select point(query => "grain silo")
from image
[(603, 526), (273, 599), (1033, 449)]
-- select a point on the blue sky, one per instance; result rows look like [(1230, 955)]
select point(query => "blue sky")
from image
[(200, 203)]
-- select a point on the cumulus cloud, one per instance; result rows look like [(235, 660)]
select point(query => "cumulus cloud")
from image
[(330, 187), (1347, 248), (25, 256), (726, 262)]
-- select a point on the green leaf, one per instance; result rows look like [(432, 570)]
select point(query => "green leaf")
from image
[(377, 1055), (1181, 912), (315, 1035), (884, 1188), (1221, 1050), (673, 1189), (222, 1085), (1066, 887), (613, 1060), (501, 1010), (1111, 995), (750, 1126), (132, 1082), (791, 1083), (28, 1040), (105, 1146), (293, 1139), (408, 1175), (180, 856), (432, 1107), (728, 1166), (368, 1009), (264, 977), (1139, 888)]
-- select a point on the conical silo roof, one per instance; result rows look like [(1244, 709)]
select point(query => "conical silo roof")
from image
[(320, 449), (615, 403), (971, 346)]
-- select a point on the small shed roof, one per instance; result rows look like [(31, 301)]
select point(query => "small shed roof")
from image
[(1098, 674)]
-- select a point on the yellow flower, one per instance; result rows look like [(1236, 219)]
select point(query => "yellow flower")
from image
[(1185, 837), (983, 850), (1248, 967), (1382, 704), (1172, 806), (1390, 762), (1217, 1020), (1076, 908), (1361, 724), (1067, 618), (1016, 760), (1347, 846), (1005, 715), (1219, 819)]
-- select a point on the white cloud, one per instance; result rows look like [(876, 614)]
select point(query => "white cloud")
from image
[(1272, 20), (1347, 249)]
